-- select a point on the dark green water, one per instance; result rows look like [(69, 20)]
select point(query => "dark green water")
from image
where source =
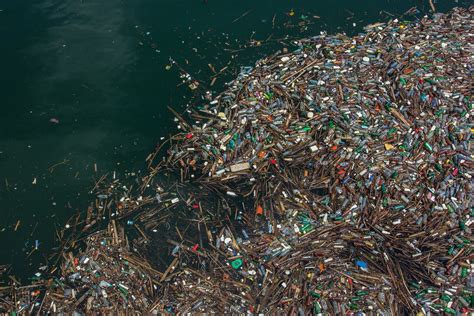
[(98, 67)]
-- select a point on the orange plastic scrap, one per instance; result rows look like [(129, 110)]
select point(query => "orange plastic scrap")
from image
[(269, 118), (36, 293), (321, 267), (261, 155), (377, 107), (259, 210), (407, 71)]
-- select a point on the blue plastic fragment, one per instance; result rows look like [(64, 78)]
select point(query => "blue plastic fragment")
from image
[(362, 264)]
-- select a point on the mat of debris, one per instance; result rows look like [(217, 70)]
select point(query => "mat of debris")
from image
[(343, 175)]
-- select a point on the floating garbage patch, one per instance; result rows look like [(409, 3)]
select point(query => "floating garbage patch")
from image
[(342, 175)]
